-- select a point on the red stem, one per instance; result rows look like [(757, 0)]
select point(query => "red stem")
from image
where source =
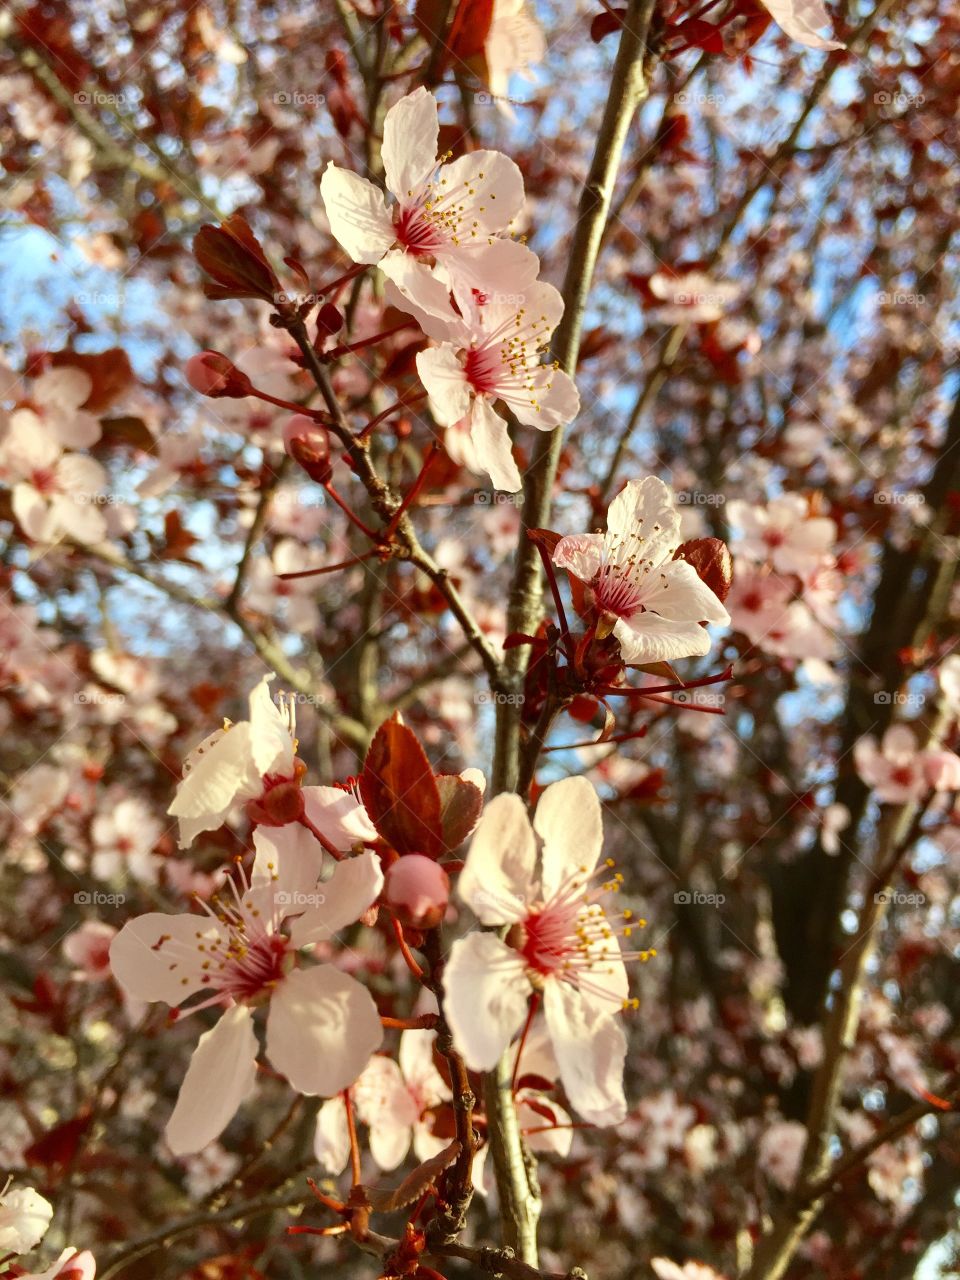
[(354, 1145), (318, 835), (405, 951), (531, 1014), (364, 528), (349, 347), (328, 568)]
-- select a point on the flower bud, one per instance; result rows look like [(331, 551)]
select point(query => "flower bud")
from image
[(329, 320), (212, 374), (308, 444), (418, 890)]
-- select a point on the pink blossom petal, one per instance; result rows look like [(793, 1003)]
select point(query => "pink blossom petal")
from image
[(357, 213), (353, 887), (171, 970), (220, 1077), (496, 879), (411, 131), (570, 824), (321, 1029), (591, 1049), (486, 999)]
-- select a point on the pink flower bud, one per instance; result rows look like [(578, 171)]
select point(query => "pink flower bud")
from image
[(212, 374), (309, 445), (418, 890)]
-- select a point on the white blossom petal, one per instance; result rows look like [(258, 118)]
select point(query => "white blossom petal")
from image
[(487, 993), (321, 1029), (591, 1049), (221, 1076), (497, 876)]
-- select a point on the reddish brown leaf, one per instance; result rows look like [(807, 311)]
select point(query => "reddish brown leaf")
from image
[(400, 791), (110, 374), (383, 1200), (712, 561), (460, 805), (234, 259), (127, 429)]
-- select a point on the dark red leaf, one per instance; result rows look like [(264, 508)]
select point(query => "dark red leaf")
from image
[(400, 792), (712, 561), (460, 804)]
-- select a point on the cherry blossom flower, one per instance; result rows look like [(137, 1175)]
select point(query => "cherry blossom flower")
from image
[(55, 409), (836, 818), (322, 1025), (800, 20), (447, 218), (765, 609), (24, 1219), (71, 1265), (123, 839), (780, 1151), (236, 764), (653, 604), (492, 350), (691, 297), (396, 1101), (560, 945), (54, 493), (514, 42), (664, 1269), (783, 532), (898, 771), (88, 947), (950, 682)]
